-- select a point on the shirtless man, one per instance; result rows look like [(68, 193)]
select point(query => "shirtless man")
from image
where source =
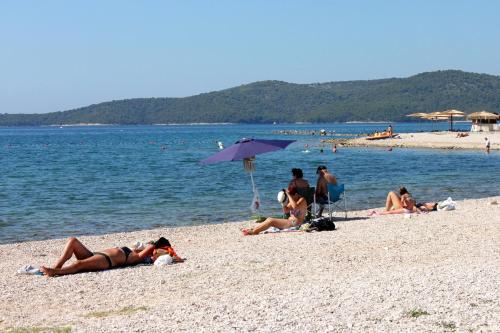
[(324, 178)]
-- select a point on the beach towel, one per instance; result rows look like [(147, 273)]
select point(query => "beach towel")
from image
[(29, 270), (273, 230)]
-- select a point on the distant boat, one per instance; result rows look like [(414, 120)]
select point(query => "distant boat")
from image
[(220, 144), (379, 136)]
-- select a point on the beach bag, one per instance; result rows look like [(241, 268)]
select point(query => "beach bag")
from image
[(448, 204), (322, 224), (164, 261)]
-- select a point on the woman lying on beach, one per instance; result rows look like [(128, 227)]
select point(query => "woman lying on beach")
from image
[(404, 204), (99, 261), (398, 204), (296, 207), (427, 206)]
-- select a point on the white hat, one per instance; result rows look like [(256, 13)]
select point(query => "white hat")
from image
[(281, 196)]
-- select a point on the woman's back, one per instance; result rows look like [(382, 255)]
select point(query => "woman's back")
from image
[(299, 183)]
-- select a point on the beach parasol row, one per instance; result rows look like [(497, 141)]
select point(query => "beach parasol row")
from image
[(440, 115)]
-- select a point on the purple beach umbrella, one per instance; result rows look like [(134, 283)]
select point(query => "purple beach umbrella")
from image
[(245, 150)]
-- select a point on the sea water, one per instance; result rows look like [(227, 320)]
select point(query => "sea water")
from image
[(57, 182)]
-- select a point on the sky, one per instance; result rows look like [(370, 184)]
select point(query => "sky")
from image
[(60, 55)]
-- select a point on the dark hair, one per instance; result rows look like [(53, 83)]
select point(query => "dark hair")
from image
[(162, 242), (292, 189), (403, 191), (297, 173), (321, 167)]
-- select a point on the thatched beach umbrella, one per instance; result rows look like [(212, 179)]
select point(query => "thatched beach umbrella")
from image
[(452, 113), (434, 116), (483, 115)]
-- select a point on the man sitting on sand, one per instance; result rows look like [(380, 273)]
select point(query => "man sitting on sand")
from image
[(324, 178)]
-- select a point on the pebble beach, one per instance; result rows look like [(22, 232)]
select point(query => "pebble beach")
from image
[(435, 272)]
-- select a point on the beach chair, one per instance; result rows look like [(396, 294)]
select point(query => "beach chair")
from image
[(308, 194), (336, 199)]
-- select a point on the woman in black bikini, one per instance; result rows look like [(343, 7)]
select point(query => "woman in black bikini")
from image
[(96, 261)]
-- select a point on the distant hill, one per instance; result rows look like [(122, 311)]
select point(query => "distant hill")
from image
[(269, 101)]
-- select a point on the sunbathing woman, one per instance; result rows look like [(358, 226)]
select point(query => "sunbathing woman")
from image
[(398, 204), (296, 207), (97, 261), (427, 206)]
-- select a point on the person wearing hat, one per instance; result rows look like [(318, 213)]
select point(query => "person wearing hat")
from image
[(293, 204), (324, 178)]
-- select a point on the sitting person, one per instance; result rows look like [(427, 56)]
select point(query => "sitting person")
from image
[(296, 207), (324, 178), (398, 204), (298, 181), (98, 261)]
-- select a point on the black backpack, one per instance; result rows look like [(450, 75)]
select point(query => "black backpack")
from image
[(322, 224)]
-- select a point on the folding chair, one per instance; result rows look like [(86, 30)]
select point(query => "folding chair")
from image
[(308, 194), (336, 194)]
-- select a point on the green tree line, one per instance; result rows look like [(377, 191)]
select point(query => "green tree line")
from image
[(277, 101)]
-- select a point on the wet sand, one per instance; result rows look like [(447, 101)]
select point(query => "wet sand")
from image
[(435, 272)]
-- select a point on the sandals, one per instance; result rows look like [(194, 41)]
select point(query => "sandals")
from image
[(373, 213), (247, 232)]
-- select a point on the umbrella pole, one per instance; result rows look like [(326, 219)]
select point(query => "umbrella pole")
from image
[(255, 207), (253, 184)]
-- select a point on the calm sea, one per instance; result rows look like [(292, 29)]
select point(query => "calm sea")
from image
[(56, 182)]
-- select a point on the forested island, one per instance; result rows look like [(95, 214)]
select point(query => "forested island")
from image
[(277, 101)]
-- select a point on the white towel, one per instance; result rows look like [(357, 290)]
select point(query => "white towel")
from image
[(29, 270)]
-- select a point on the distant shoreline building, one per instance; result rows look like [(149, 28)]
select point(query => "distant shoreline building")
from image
[(484, 121)]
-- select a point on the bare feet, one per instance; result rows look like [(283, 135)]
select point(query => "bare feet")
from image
[(247, 232), (48, 271)]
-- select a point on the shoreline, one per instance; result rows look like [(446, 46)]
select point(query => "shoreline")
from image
[(433, 140), (387, 273)]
